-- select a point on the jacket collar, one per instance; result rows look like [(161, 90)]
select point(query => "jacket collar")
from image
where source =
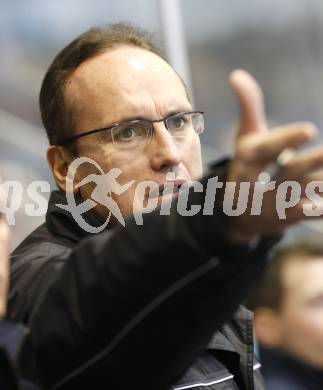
[(220, 342), (235, 334), (61, 223)]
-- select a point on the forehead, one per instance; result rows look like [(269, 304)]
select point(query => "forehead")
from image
[(125, 81), (303, 277)]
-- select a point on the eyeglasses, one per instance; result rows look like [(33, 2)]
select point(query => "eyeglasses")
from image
[(139, 132)]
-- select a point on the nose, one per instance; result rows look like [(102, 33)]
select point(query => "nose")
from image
[(165, 154)]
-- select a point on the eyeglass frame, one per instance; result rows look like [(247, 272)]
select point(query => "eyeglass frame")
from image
[(77, 136)]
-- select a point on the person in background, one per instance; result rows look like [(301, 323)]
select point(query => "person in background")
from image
[(7, 375), (12, 335), (288, 318), (4, 261)]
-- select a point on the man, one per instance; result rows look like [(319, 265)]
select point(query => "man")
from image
[(289, 318), (137, 306), (4, 262)]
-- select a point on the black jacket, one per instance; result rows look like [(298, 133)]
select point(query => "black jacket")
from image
[(283, 371), (129, 307), (228, 361), (12, 336)]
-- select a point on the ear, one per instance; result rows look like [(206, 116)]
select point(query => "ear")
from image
[(268, 327), (58, 160)]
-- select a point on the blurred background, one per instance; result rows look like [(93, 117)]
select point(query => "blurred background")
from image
[(278, 41)]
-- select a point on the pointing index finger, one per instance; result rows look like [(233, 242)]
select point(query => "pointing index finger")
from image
[(251, 102)]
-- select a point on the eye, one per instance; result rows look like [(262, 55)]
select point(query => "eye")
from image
[(129, 134), (120, 135), (177, 122), (125, 134)]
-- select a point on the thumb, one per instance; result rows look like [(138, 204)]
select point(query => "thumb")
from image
[(251, 102)]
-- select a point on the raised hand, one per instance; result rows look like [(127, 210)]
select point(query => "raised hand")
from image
[(255, 148)]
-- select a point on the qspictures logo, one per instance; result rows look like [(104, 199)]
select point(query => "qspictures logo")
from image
[(106, 184), (147, 196)]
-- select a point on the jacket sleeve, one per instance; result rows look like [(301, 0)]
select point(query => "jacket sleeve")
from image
[(133, 308)]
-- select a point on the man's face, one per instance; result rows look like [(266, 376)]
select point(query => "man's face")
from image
[(301, 315), (125, 84)]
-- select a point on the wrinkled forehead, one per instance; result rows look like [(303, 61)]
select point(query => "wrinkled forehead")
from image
[(127, 79)]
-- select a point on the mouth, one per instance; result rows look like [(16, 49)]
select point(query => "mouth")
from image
[(170, 188)]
